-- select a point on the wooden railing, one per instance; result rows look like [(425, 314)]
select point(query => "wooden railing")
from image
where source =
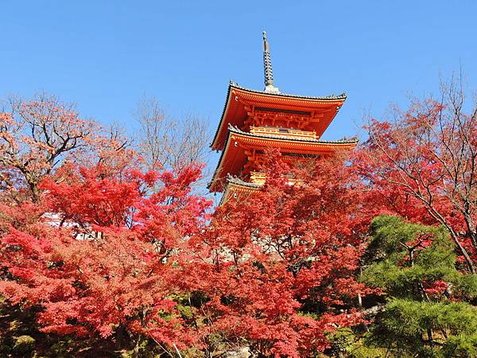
[(257, 178), (260, 178), (285, 132)]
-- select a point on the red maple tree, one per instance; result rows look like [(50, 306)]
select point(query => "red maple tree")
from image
[(100, 249), (276, 271), (423, 164), (281, 264), (106, 261), (87, 240)]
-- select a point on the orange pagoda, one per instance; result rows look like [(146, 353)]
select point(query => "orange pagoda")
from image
[(253, 121)]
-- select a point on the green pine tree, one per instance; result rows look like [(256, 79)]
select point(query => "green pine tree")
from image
[(430, 305)]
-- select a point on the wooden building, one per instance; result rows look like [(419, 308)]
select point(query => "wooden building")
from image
[(253, 121)]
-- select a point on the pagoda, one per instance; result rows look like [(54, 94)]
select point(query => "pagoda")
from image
[(253, 121)]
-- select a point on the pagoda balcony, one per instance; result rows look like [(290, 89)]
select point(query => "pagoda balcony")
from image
[(283, 132), (259, 178)]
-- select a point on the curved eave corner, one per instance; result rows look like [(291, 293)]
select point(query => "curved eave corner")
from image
[(214, 145)]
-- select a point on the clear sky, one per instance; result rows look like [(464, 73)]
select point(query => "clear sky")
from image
[(106, 55)]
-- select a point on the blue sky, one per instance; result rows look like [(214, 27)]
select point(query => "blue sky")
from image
[(106, 55)]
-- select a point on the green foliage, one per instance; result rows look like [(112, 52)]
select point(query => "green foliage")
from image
[(409, 325), (24, 344), (341, 340), (391, 269), (461, 346), (426, 313), (345, 343), (361, 350)]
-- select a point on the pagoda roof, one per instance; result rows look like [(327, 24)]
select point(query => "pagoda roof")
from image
[(236, 186), (240, 99), (231, 179), (234, 158)]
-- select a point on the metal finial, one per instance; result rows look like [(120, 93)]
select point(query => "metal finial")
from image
[(267, 66), (265, 42)]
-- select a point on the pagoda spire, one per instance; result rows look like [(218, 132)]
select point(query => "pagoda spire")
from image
[(267, 67)]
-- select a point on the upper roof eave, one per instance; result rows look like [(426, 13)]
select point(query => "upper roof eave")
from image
[(232, 85), (340, 97)]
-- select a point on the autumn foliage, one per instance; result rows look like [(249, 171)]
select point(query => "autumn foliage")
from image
[(99, 252), (277, 272), (422, 165), (282, 263)]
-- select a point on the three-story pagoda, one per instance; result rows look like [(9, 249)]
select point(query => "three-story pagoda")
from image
[(253, 121)]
